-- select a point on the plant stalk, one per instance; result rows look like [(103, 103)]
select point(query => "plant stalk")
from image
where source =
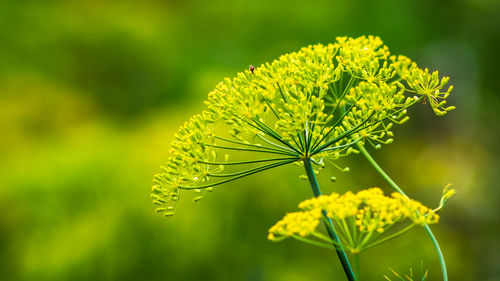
[(356, 265), (396, 187), (328, 223)]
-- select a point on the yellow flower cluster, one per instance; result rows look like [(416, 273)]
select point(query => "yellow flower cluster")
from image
[(317, 102), (429, 86), (297, 223), (357, 216), (186, 166)]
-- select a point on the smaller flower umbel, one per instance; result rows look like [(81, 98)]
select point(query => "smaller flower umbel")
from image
[(363, 220)]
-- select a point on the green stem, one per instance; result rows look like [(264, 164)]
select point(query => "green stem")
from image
[(348, 232), (328, 223), (396, 187), (252, 150), (356, 265), (315, 243), (243, 162), (389, 237), (241, 175)]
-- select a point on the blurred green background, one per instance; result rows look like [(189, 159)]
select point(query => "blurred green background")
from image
[(91, 93)]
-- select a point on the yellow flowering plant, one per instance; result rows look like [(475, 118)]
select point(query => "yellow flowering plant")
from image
[(363, 220), (360, 218), (309, 107)]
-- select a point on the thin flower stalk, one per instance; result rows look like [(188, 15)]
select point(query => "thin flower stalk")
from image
[(328, 223), (446, 194)]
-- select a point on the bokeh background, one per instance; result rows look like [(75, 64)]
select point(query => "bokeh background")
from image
[(91, 93)]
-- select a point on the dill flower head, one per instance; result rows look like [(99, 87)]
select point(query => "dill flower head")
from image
[(361, 218), (315, 104)]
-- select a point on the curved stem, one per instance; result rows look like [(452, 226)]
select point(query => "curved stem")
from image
[(396, 187), (328, 223)]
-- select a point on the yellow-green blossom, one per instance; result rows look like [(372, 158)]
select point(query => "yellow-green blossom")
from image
[(360, 218), (316, 103), (297, 223)]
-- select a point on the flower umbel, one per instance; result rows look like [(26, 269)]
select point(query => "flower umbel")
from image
[(316, 103), (362, 219)]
